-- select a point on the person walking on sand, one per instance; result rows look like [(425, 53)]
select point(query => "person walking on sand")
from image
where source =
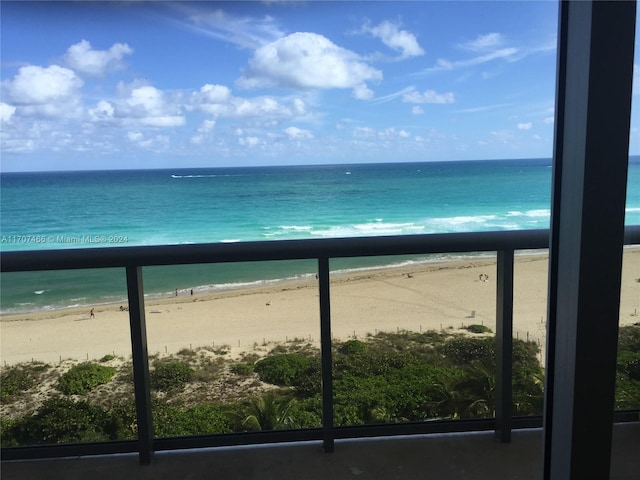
[(91, 314)]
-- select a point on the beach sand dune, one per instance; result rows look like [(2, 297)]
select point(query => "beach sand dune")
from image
[(426, 297)]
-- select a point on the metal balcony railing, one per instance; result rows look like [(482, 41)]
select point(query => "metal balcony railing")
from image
[(505, 243)]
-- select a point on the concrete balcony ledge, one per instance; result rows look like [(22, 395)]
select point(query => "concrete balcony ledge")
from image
[(441, 456)]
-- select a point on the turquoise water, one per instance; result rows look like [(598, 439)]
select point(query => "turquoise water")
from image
[(150, 207)]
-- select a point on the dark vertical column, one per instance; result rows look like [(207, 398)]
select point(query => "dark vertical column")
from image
[(558, 141), (140, 363), (325, 350), (504, 345), (590, 176)]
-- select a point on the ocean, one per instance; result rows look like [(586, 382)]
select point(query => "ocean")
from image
[(54, 210)]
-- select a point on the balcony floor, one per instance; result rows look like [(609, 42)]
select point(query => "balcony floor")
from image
[(452, 456)]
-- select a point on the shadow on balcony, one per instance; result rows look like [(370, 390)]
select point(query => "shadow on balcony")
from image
[(451, 456)]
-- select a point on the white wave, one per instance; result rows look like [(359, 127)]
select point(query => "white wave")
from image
[(464, 219), (230, 240), (297, 228), (369, 229), (196, 176), (543, 212), (39, 292), (207, 175)]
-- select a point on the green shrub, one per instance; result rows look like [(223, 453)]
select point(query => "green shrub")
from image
[(171, 421), (171, 376), (15, 380), (283, 369), (475, 328), (242, 369), (352, 347), (84, 377), (107, 358), (629, 338), (464, 350), (7, 437), (61, 420), (629, 363)]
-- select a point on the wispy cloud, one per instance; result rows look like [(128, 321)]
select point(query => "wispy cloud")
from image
[(507, 54), (392, 96), (487, 48), (482, 42), (242, 31), (484, 108)]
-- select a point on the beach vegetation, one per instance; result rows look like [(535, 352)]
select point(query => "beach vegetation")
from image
[(628, 368), (242, 369), (107, 358), (353, 347), (475, 328), (221, 349), (20, 378), (387, 377), (61, 420), (84, 377), (208, 368), (15, 380), (170, 376), (271, 411), (283, 369), (176, 421)]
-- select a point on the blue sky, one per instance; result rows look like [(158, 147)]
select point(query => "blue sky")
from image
[(203, 84)]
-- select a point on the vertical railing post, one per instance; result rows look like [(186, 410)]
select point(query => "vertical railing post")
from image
[(504, 345), (325, 350), (141, 382)]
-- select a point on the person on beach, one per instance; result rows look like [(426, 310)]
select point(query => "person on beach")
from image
[(91, 314), (176, 292)]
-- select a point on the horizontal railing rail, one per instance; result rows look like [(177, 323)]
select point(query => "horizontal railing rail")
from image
[(143, 256), (504, 243)]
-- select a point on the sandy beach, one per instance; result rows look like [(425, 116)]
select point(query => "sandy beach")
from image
[(430, 296)]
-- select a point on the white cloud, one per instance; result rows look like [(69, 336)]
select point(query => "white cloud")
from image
[(396, 39), (363, 132), (416, 110), (218, 100), (549, 120), (429, 96), (362, 92), (305, 60), (135, 136), (249, 141), (103, 111), (35, 85), (6, 112), (84, 59), (148, 106), (207, 126), (503, 137), (44, 92), (157, 143), (295, 133), (483, 42), (203, 130), (525, 126)]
